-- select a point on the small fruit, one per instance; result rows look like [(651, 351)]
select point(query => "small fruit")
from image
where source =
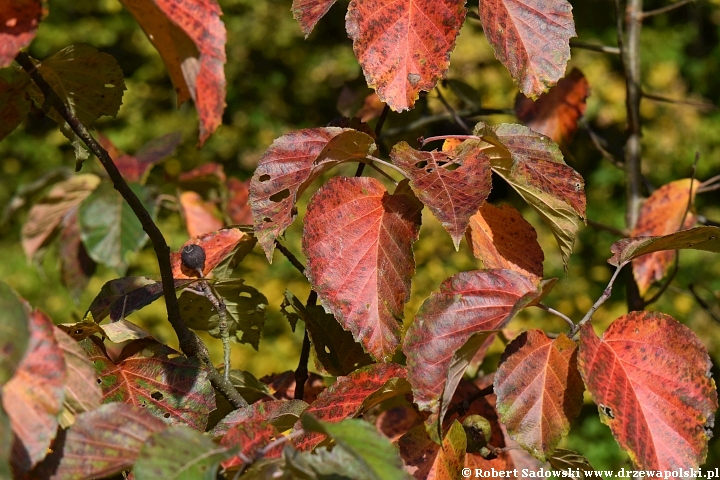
[(193, 257)]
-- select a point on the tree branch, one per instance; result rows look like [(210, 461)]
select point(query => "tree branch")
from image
[(594, 48), (603, 298), (442, 117), (668, 8), (679, 101), (189, 342), (301, 372)]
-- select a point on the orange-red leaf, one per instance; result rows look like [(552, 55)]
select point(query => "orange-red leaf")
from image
[(556, 113), (190, 38), (662, 213), (426, 460), (468, 305), (404, 46), (358, 241), (82, 393), (249, 437), (274, 411), (309, 12), (502, 238), (539, 390), (650, 377), (19, 21), (453, 195), (201, 217), (217, 245), (531, 38), (34, 395), (287, 168), (238, 206), (135, 168), (351, 395)]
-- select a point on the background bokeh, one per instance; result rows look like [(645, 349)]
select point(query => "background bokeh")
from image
[(278, 81)]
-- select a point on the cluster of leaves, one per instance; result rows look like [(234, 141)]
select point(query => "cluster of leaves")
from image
[(109, 398)]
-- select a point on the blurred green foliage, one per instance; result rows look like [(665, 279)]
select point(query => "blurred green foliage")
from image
[(277, 82)]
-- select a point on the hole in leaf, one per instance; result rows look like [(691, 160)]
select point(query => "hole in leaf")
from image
[(267, 220), (173, 355), (99, 381), (452, 166), (264, 178), (109, 85), (327, 350), (280, 196), (147, 353), (607, 411), (167, 415), (157, 396), (578, 187), (430, 170), (422, 164), (245, 294)]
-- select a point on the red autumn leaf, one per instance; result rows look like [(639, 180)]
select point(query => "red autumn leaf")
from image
[(48, 212), (153, 376), (213, 173), (453, 195), (14, 98), (531, 38), (397, 421), (82, 393), (190, 38), (309, 12), (404, 46), (135, 168), (372, 108), (277, 412), (358, 241), (282, 386), (663, 213), (34, 395), (452, 324), (556, 113), (502, 238), (92, 445), (425, 459), (539, 390), (650, 377), (249, 437), (698, 238), (201, 217), (350, 396), (76, 266), (286, 169), (20, 19), (217, 245), (238, 206)]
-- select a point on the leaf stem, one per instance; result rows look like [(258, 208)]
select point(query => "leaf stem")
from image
[(190, 343), (668, 8), (567, 319), (461, 123), (603, 298), (291, 257), (595, 48), (301, 372), (387, 164), (425, 141), (378, 129), (705, 306)]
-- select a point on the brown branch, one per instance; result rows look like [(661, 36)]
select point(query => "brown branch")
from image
[(705, 306), (668, 8), (461, 123), (189, 342), (442, 117), (608, 228), (595, 48), (378, 129), (301, 372)]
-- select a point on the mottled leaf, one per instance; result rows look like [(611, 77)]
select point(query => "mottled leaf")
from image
[(564, 459), (123, 331), (404, 46), (245, 311), (280, 413), (358, 241), (666, 211), (352, 395), (34, 396), (14, 96), (106, 441), (238, 205), (452, 324), (650, 377), (76, 266), (218, 246), (109, 229), (48, 212), (556, 113), (309, 12), (425, 459), (155, 377), (82, 392), (135, 168), (539, 390), (115, 292), (14, 331), (190, 38), (201, 217), (182, 453), (139, 298), (335, 349), (249, 437), (20, 19), (699, 238), (322, 464), (531, 38), (282, 385), (82, 330), (286, 169), (452, 194), (502, 238)]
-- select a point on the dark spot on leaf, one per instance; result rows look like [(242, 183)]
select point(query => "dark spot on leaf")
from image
[(422, 164), (264, 178), (267, 220), (280, 196), (167, 415), (413, 78), (99, 381), (157, 396)]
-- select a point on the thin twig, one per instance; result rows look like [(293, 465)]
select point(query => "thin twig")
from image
[(461, 123), (711, 188), (600, 143), (705, 306), (595, 48), (387, 164), (703, 220), (668, 8), (608, 228), (260, 454), (442, 117), (425, 141), (710, 181), (603, 298), (567, 319), (667, 283), (189, 342), (290, 256), (378, 129), (382, 172), (679, 101)]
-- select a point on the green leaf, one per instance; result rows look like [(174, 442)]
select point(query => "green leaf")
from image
[(5, 444), (379, 459), (699, 238), (14, 334), (109, 228), (324, 464), (180, 453), (245, 312), (248, 386)]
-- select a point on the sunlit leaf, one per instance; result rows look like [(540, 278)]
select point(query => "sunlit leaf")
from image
[(425, 459), (556, 113), (124, 331), (201, 217), (14, 96), (358, 241), (34, 396), (47, 213), (249, 437), (76, 266), (153, 376), (531, 38), (699, 238), (20, 21), (286, 169), (14, 332), (82, 392), (190, 38), (453, 195), (218, 246), (502, 238), (404, 46), (179, 452), (280, 413), (309, 12), (650, 377), (539, 390)]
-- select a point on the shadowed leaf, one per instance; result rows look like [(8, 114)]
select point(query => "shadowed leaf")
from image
[(218, 246), (358, 241), (404, 46), (453, 195), (14, 96), (155, 377), (20, 19), (76, 266), (280, 413), (699, 238), (539, 390), (425, 459), (82, 392), (14, 331), (201, 217), (531, 38), (650, 377), (564, 459), (309, 12), (135, 168)]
